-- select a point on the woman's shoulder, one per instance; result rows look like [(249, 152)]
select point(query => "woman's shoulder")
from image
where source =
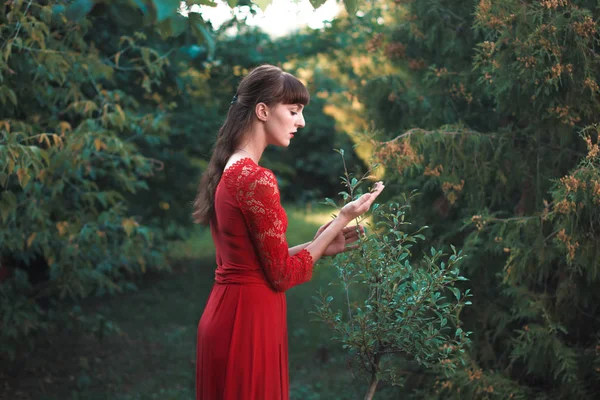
[(237, 160), (244, 171)]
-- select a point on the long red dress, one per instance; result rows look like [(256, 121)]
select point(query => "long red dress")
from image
[(242, 348)]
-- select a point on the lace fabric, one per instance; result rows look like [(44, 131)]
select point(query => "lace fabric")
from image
[(256, 191)]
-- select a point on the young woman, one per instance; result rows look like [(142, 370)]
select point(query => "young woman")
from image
[(242, 349)]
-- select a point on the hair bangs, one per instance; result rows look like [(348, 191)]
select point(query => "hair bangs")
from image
[(293, 91)]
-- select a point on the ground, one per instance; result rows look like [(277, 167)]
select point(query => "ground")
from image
[(152, 355)]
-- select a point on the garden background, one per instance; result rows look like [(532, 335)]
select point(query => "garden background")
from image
[(489, 110)]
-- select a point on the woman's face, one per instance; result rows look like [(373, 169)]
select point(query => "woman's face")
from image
[(282, 123)]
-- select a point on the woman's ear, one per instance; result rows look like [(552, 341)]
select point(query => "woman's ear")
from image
[(262, 111)]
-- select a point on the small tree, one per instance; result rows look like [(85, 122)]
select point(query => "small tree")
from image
[(398, 308)]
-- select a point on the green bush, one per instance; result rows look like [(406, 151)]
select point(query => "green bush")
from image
[(83, 131), (480, 107), (398, 309)]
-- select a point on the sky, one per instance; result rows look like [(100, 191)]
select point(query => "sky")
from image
[(281, 17)]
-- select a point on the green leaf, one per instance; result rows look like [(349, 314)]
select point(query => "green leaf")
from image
[(202, 32), (232, 3), (330, 202), (172, 26), (456, 292), (79, 9), (8, 203), (58, 9), (126, 15), (210, 3), (317, 3), (7, 49), (142, 6), (351, 6), (165, 8), (262, 4), (12, 96)]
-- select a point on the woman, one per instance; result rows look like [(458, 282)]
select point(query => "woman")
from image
[(242, 351)]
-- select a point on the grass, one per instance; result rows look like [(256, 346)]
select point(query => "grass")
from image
[(153, 355)]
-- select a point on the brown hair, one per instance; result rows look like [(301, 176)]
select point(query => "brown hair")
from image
[(265, 84)]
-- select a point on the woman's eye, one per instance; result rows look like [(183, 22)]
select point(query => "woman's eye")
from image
[(294, 113)]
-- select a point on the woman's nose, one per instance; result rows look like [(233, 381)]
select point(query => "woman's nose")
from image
[(300, 121)]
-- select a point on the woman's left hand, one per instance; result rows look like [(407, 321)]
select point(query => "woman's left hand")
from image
[(346, 236)]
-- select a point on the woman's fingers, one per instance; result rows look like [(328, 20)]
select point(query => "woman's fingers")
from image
[(349, 248), (367, 204), (364, 202), (352, 240), (350, 230), (354, 230), (375, 193), (352, 233), (378, 186), (364, 198)]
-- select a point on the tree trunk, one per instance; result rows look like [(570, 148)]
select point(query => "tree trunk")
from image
[(372, 388), (374, 371)]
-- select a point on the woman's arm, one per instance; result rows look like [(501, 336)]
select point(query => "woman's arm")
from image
[(350, 211), (296, 249), (332, 237), (265, 219)]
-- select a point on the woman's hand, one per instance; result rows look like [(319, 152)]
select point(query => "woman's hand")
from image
[(346, 236), (332, 238), (358, 207)]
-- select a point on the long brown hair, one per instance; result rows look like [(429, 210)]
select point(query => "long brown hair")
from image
[(265, 84)]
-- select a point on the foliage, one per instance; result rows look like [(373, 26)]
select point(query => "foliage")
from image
[(67, 165), (108, 109), (400, 308), (479, 106), (84, 129)]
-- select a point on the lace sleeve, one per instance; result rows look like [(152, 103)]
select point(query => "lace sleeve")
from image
[(259, 200)]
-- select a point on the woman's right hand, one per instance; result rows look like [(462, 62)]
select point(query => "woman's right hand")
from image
[(361, 205)]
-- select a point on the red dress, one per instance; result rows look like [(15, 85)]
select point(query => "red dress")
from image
[(242, 351)]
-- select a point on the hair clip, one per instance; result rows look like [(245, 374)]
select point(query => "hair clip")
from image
[(234, 100)]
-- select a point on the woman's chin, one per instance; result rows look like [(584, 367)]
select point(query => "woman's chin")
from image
[(281, 142)]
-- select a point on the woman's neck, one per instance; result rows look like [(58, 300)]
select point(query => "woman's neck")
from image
[(253, 145)]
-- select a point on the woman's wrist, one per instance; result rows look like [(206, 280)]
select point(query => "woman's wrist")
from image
[(344, 218), (319, 244), (296, 249)]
